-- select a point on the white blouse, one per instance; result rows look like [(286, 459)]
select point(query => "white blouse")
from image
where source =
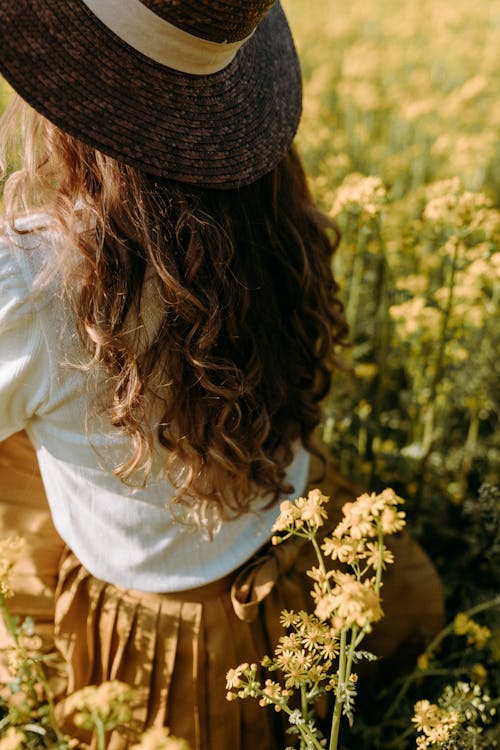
[(122, 535)]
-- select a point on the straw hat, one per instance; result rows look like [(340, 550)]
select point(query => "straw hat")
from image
[(201, 91)]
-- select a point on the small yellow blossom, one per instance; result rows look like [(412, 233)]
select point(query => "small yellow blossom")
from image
[(13, 739), (272, 693), (423, 661), (361, 195), (159, 738), (392, 521), (110, 702), (344, 550), (479, 674), (308, 510), (373, 555), (10, 550), (311, 508), (233, 676), (287, 516), (477, 635), (351, 602), (434, 722)]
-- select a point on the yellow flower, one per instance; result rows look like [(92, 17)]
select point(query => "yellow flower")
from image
[(311, 508), (477, 635), (358, 521), (373, 555), (423, 662), (10, 550), (479, 674), (436, 723), (360, 195), (159, 738), (110, 702), (272, 692), (13, 739), (392, 521), (233, 676), (287, 516), (344, 550), (351, 602)]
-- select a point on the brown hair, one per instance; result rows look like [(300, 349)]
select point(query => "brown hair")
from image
[(241, 348)]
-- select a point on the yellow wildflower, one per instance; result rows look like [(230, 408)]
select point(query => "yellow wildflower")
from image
[(373, 555), (344, 550), (13, 739), (272, 692), (423, 662), (287, 516), (10, 549), (351, 601), (434, 722), (233, 676), (361, 195), (392, 521), (311, 508), (110, 702), (479, 674), (476, 634), (159, 738)]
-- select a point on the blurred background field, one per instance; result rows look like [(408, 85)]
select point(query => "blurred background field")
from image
[(400, 136)]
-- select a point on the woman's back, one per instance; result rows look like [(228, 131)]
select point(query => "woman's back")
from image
[(176, 383)]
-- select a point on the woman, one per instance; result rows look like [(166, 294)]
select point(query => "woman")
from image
[(168, 327)]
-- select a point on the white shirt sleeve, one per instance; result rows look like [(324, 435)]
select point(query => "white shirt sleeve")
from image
[(24, 360)]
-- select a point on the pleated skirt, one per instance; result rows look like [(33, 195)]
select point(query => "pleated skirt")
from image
[(175, 650)]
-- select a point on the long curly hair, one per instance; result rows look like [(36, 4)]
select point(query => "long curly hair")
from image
[(213, 313)]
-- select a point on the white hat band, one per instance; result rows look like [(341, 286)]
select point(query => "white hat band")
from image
[(160, 40)]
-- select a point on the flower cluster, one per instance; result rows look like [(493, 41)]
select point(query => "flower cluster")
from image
[(461, 707), (159, 738), (435, 723), (13, 739), (318, 651), (449, 204), (477, 635), (354, 600), (350, 603), (360, 195), (108, 703), (304, 515), (10, 550)]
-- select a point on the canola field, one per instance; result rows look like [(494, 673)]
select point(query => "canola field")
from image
[(400, 135)]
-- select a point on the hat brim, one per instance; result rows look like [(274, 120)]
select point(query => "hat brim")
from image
[(222, 130)]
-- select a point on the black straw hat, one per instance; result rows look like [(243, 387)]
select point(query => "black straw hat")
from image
[(201, 91)]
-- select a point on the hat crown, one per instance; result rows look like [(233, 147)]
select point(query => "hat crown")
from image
[(214, 20)]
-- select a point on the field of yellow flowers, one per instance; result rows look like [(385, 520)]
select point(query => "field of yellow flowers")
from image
[(400, 136)]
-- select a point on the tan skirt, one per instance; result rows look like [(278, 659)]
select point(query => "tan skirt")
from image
[(176, 649)]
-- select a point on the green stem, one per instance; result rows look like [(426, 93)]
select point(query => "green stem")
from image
[(438, 372), (100, 731), (42, 679), (9, 621), (39, 672), (337, 711), (319, 557), (352, 648), (380, 561), (304, 705)]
